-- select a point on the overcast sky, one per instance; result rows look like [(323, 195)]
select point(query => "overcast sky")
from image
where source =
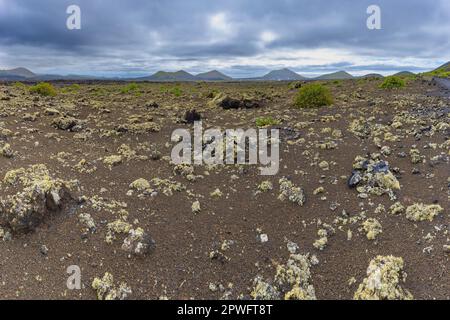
[(238, 37)]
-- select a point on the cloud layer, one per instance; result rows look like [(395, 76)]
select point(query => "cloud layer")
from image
[(239, 37)]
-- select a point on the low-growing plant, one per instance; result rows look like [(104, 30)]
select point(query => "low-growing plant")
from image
[(392, 82), (266, 121), (44, 89), (176, 91), (129, 88), (313, 95), (19, 85), (72, 88)]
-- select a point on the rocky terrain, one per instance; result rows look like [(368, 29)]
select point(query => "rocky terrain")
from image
[(358, 210)]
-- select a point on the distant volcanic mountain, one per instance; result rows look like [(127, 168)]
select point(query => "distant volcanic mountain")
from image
[(213, 75), (282, 74), (340, 75), (372, 75), (16, 74), (170, 76), (404, 74)]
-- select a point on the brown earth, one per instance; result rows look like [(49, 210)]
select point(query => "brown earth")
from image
[(180, 266)]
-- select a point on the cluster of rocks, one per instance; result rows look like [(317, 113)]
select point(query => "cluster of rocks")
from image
[(371, 175)]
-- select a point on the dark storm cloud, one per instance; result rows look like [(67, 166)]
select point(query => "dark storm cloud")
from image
[(128, 36)]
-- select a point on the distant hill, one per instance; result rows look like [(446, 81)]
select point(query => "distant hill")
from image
[(170, 76), (16, 74), (442, 71), (340, 75), (372, 75), (282, 74), (404, 74), (444, 67), (213, 75)]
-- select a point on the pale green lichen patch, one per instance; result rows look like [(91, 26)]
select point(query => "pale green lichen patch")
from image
[(141, 185), (290, 192), (112, 161), (422, 212), (167, 186), (196, 207), (107, 290), (265, 186), (372, 227), (383, 282), (291, 281)]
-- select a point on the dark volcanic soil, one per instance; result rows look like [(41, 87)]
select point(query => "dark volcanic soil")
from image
[(180, 266)]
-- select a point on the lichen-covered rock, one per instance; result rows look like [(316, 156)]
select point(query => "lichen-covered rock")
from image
[(372, 227), (383, 282), (422, 212), (371, 176), (68, 123), (263, 290), (288, 191), (265, 186), (113, 160), (396, 208), (196, 207), (39, 197), (138, 242), (6, 150), (88, 221), (107, 290), (141, 185), (291, 281), (117, 227)]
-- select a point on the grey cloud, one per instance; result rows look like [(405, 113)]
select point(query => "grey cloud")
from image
[(118, 33)]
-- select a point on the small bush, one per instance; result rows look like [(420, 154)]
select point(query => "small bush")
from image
[(129, 88), (72, 88), (176, 91), (19, 85), (266, 121), (392, 83), (44, 89), (313, 95)]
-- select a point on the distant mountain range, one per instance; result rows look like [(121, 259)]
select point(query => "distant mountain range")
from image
[(23, 74)]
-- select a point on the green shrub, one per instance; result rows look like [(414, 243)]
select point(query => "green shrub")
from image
[(392, 83), (72, 88), (19, 85), (440, 73), (176, 91), (313, 95), (44, 89), (266, 121), (129, 88)]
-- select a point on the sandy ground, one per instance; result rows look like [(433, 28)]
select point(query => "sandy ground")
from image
[(218, 252)]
